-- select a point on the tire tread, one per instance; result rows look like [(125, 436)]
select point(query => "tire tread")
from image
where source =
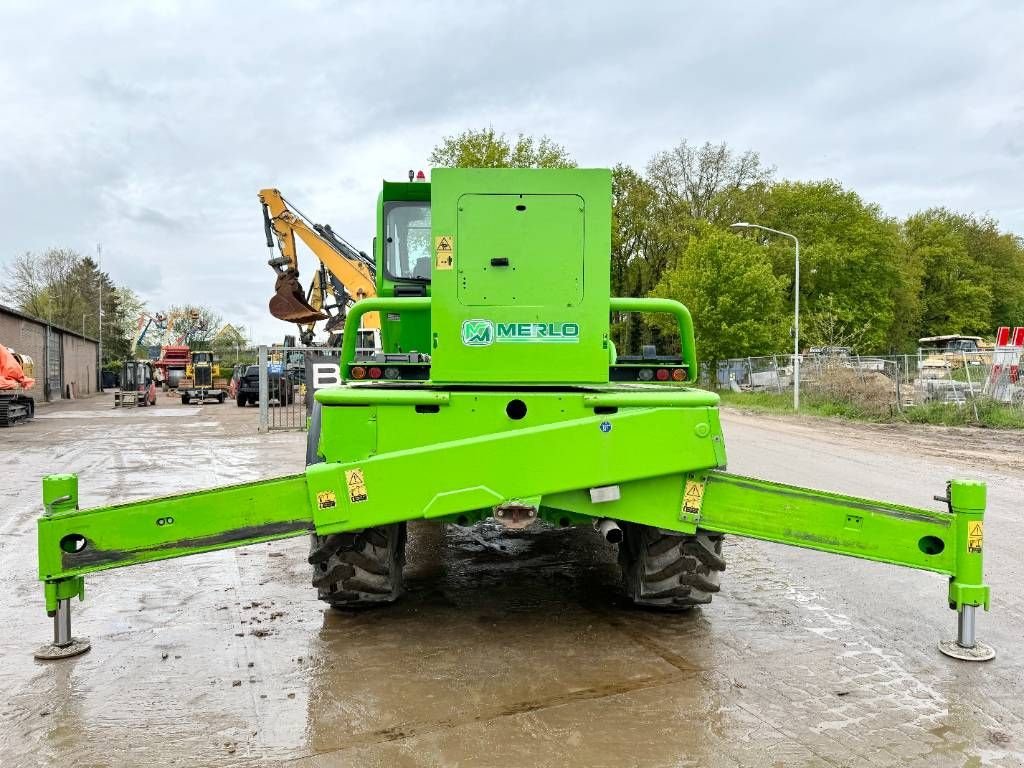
[(670, 571)]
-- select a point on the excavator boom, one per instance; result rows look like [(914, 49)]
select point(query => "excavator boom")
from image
[(352, 269)]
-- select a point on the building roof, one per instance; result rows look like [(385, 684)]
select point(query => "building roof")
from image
[(5, 310)]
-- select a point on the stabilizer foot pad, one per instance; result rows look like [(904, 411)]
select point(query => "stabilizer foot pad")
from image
[(52, 651), (980, 651)]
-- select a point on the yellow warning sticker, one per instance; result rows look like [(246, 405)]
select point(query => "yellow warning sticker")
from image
[(975, 535), (693, 496), (444, 247), (326, 499), (356, 485)]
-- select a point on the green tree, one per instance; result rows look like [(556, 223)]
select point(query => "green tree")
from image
[(65, 288), (485, 148), (825, 328), (196, 325), (1001, 256), (637, 259), (656, 214), (956, 290), (711, 182), (47, 285), (122, 308), (736, 300), (851, 260)]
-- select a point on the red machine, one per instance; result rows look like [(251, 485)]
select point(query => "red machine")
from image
[(174, 359)]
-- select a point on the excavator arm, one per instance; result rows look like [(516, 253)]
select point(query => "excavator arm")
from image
[(352, 271)]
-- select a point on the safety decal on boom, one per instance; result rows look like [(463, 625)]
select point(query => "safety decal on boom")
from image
[(444, 247), (356, 485), (693, 496), (975, 535), (326, 499)]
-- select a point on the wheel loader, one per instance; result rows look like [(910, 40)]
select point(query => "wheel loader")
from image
[(201, 388), (498, 394)]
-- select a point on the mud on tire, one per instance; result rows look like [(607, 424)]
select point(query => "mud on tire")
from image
[(668, 570), (358, 569)]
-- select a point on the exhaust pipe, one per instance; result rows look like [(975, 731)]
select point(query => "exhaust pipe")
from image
[(609, 529)]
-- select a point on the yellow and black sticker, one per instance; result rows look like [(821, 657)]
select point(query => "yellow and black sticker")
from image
[(975, 535), (693, 496), (356, 485), (326, 499), (444, 247)]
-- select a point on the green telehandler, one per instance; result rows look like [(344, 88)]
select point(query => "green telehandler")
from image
[(498, 393)]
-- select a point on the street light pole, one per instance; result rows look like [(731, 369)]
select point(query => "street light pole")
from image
[(796, 304), (99, 351)]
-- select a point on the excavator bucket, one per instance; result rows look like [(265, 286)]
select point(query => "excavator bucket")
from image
[(289, 303)]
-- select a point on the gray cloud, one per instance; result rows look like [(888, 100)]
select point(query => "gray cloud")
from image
[(150, 128)]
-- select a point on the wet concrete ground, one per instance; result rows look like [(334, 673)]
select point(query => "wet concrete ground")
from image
[(507, 650)]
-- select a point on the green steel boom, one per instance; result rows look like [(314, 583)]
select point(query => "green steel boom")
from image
[(520, 419)]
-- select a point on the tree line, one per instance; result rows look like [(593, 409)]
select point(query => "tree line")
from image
[(868, 280), (66, 289)]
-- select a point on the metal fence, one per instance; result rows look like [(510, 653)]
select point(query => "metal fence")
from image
[(288, 377), (931, 376)]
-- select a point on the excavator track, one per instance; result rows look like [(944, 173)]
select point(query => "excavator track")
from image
[(15, 409)]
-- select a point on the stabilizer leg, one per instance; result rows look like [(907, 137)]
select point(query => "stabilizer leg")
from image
[(965, 646), (74, 542), (967, 590), (64, 645), (949, 542)]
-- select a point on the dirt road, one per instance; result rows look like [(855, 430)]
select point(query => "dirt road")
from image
[(507, 650)]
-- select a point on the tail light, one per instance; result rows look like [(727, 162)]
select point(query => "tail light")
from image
[(661, 374), (376, 373), (678, 375), (358, 372)]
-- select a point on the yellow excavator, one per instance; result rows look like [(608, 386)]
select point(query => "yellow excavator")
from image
[(345, 274)]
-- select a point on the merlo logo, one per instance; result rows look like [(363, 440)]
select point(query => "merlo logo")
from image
[(477, 333)]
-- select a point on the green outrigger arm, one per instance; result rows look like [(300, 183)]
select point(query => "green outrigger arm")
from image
[(74, 543)]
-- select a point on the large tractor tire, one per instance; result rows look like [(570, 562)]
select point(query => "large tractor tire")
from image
[(670, 571), (357, 569)]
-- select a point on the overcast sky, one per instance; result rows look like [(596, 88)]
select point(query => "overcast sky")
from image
[(151, 130)]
